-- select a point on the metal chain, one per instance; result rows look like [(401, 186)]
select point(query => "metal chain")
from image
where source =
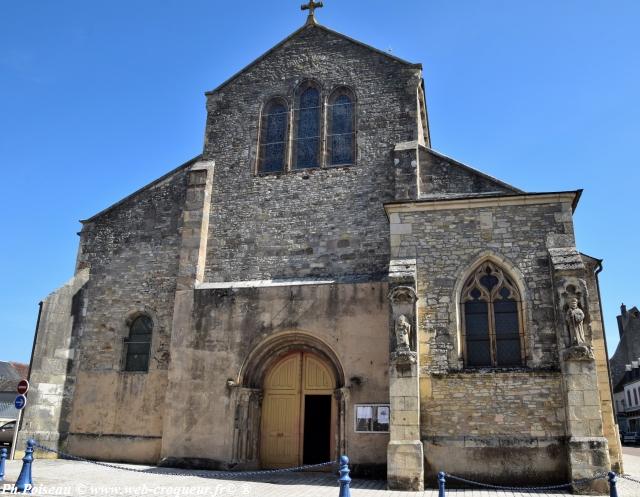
[(214, 474), (582, 481), (598, 476), (501, 487), (209, 474), (627, 477)]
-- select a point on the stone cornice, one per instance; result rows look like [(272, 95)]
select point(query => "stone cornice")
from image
[(570, 197)]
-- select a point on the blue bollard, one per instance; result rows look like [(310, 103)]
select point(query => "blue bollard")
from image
[(344, 479), (3, 458), (442, 478), (613, 480), (25, 482)]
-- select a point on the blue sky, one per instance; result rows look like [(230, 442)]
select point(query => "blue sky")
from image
[(99, 98)]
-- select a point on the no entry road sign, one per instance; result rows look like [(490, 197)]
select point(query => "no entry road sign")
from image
[(20, 402), (23, 387)]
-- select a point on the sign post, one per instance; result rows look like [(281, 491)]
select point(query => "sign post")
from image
[(20, 402)]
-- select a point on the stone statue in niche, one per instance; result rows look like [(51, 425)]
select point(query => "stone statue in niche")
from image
[(575, 322), (403, 332), (578, 349)]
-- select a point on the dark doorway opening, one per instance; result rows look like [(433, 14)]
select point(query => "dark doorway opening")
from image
[(317, 429)]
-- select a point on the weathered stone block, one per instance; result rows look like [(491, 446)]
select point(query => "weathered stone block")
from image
[(405, 465)]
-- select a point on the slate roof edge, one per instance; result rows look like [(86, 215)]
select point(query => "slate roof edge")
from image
[(145, 187), (595, 259), (295, 33), (474, 170)]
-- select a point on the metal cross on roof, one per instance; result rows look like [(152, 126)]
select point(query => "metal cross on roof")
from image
[(311, 7)]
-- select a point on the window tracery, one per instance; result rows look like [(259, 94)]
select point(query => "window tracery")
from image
[(492, 319)]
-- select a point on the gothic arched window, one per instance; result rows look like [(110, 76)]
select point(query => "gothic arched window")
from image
[(492, 323), (273, 139), (138, 344), (308, 119), (341, 128)]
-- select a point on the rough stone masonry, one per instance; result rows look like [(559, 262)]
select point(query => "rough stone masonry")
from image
[(238, 269)]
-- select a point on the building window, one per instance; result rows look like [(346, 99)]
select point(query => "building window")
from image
[(341, 128), (273, 136), (492, 325), (138, 344), (372, 418), (307, 127), (628, 397), (635, 396)]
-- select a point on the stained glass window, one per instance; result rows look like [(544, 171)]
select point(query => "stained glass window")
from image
[(492, 330), (273, 143), (341, 136), (138, 344), (307, 144)]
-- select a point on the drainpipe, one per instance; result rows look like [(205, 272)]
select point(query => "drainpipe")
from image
[(604, 336)]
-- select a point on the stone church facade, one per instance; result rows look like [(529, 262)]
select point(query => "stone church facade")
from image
[(321, 281)]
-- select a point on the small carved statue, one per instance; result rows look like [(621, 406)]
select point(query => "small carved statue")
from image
[(575, 321), (403, 331)]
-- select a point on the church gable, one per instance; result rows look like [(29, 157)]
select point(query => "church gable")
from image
[(441, 176), (327, 204), (305, 34)]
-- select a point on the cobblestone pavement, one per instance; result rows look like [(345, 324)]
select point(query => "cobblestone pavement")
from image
[(76, 479)]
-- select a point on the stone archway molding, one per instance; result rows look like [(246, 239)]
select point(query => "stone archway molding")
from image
[(269, 350), (246, 394)]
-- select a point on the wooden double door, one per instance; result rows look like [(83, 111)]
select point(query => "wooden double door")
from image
[(298, 412)]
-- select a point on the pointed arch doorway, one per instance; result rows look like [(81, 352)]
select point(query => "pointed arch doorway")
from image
[(299, 412)]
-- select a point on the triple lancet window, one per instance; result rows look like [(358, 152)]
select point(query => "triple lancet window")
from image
[(492, 319), (322, 131), (138, 344)]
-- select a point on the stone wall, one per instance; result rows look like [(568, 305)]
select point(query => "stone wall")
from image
[(441, 176), (525, 404), (600, 352), (502, 424), (132, 251), (312, 222), (226, 325), (448, 242), (54, 365), (487, 424)]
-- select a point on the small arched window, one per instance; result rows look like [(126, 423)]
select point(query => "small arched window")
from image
[(492, 322), (341, 141), (308, 119), (273, 139), (138, 344)]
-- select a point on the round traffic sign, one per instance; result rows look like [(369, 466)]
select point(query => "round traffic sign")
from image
[(23, 387), (20, 402)]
